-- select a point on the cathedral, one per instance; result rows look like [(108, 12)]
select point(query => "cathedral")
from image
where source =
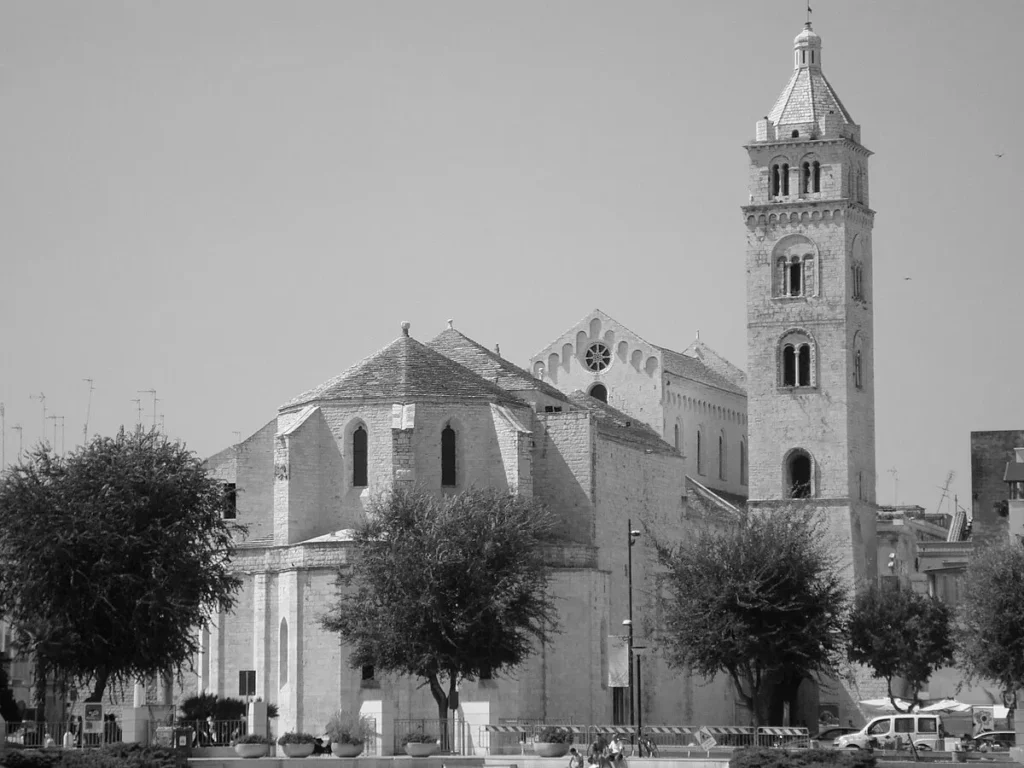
[(602, 426)]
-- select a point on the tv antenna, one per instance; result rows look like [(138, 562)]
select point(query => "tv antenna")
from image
[(88, 409), (945, 489), (20, 430), (163, 423), (55, 419), (41, 397), (155, 401), (138, 407)]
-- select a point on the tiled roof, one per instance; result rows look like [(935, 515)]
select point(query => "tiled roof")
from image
[(403, 372), (701, 351), (622, 426), (729, 504), (487, 364), (692, 368), (806, 98)]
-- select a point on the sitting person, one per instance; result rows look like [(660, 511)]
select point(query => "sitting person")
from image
[(575, 758), (596, 753), (615, 749)]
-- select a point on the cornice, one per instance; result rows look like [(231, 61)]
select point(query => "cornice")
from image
[(859, 148)]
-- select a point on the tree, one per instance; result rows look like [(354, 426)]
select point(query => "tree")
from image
[(900, 633), (989, 628), (760, 601), (111, 558), (446, 588), (8, 706)]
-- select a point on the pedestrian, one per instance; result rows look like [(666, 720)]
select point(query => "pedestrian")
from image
[(596, 752), (575, 758)]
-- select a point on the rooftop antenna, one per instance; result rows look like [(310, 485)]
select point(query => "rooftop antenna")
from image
[(895, 486), (55, 419), (808, 14), (20, 430), (138, 407), (88, 409), (155, 401), (945, 489), (163, 424), (41, 397)]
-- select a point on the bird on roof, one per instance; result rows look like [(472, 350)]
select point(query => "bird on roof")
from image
[(908, 278)]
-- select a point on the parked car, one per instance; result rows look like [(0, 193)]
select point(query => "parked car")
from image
[(993, 741), (826, 736), (923, 730)]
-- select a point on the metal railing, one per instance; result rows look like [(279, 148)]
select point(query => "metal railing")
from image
[(43, 734), (214, 733), (450, 735), (521, 738)]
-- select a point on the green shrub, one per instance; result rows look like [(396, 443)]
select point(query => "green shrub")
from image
[(760, 757), (555, 734), (29, 758), (763, 757), (206, 705), (118, 756), (418, 737), (347, 728), (297, 738), (253, 738)]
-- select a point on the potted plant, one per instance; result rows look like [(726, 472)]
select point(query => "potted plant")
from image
[(348, 733), (252, 745), (297, 744), (419, 744), (553, 741)]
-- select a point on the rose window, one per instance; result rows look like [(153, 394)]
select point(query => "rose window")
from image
[(598, 356)]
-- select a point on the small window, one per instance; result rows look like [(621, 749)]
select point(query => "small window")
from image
[(486, 673), (700, 453), (927, 725), (676, 436), (816, 174), (359, 458), (904, 725), (789, 366), (805, 178), (799, 476), (796, 270), (448, 475), (599, 392), (785, 179), (804, 366), (795, 134), (368, 673), (775, 181), (721, 457), (796, 364), (743, 463), (230, 501), (858, 371), (552, 409), (247, 682)]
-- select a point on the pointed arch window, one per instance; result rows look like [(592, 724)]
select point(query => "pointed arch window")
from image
[(360, 457), (785, 179), (775, 180), (721, 457), (599, 392), (816, 174), (700, 452), (805, 178), (676, 436), (448, 473), (743, 463)]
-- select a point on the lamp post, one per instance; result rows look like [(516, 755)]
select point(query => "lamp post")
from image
[(632, 536)]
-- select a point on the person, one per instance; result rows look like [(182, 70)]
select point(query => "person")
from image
[(615, 749), (575, 758), (48, 741), (596, 752), (69, 736)]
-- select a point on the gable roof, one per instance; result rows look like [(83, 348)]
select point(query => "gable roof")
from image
[(614, 423), (727, 505), (405, 371), (701, 351), (489, 365), (692, 368)]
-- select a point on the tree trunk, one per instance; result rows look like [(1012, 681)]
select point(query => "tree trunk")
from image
[(100, 688), (441, 699)]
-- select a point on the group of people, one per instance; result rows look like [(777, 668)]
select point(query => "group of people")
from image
[(601, 753)]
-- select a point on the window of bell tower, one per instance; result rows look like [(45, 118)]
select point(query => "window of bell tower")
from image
[(798, 475)]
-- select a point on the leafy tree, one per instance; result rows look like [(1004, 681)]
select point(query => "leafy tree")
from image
[(446, 588), (900, 633), (112, 557), (761, 601), (8, 706), (989, 630)]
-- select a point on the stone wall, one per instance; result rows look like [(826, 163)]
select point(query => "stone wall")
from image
[(990, 452)]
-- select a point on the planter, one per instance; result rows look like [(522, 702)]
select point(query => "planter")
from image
[(421, 749), (345, 750), (251, 750), (297, 750), (551, 748)]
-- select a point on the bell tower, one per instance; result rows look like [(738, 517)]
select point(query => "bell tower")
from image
[(811, 404)]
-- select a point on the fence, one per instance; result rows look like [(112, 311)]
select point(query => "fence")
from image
[(213, 733), (520, 738), (450, 734), (36, 734)]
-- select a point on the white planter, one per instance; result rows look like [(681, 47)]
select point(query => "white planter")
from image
[(251, 750), (296, 750), (346, 750), (420, 749), (551, 748)]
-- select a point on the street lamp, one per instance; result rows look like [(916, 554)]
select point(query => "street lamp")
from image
[(634, 716)]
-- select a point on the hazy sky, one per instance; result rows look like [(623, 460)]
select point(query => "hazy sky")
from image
[(230, 201)]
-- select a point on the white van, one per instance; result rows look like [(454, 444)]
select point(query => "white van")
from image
[(924, 730)]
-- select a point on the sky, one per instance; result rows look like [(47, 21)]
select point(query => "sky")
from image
[(230, 202)]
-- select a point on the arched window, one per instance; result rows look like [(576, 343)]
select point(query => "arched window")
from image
[(599, 392), (797, 360), (700, 452), (676, 436), (743, 463), (796, 273), (805, 178), (785, 179), (798, 475), (816, 173), (448, 475), (721, 457), (795, 134), (775, 181), (795, 263), (282, 653), (359, 458)]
